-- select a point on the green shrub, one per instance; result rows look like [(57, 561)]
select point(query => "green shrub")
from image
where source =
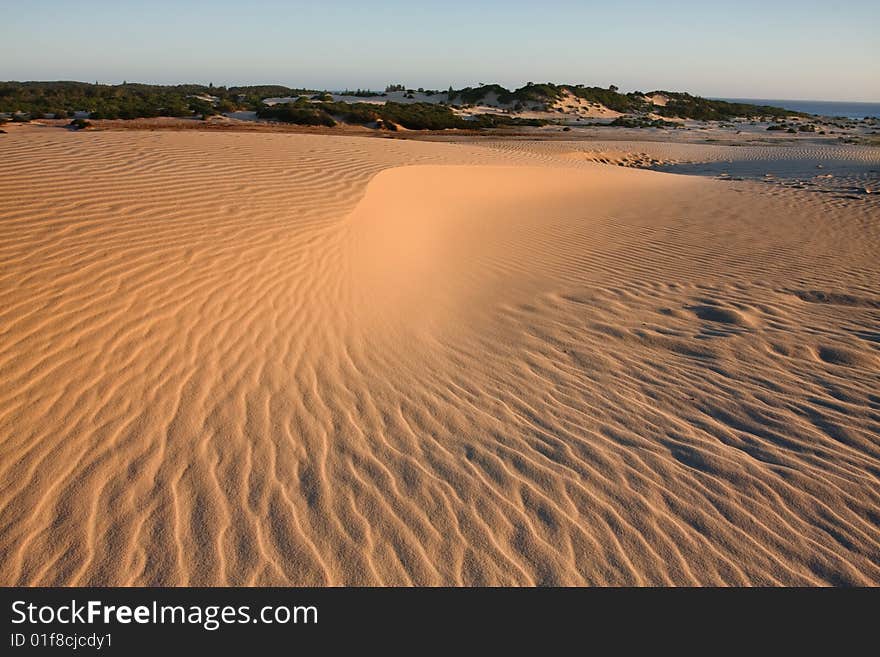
[(641, 122), (359, 113), (473, 95), (132, 100), (420, 116), (413, 116), (129, 100), (203, 107), (610, 98), (685, 106), (496, 121), (360, 93), (547, 93), (291, 113)]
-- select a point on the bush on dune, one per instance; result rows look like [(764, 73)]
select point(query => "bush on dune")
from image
[(360, 93), (610, 98), (686, 106), (412, 116), (421, 116), (641, 122), (291, 113), (130, 101), (473, 95), (425, 116), (546, 93)]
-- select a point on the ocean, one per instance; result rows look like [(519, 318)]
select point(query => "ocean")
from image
[(821, 107)]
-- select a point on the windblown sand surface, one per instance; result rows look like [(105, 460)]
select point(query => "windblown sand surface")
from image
[(291, 359)]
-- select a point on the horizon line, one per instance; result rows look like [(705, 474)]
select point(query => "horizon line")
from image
[(261, 84)]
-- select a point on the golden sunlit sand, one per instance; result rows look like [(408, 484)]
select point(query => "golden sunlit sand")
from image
[(257, 359)]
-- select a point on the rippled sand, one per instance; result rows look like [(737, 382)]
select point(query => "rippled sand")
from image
[(290, 359)]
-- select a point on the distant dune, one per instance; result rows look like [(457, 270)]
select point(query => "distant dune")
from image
[(257, 359)]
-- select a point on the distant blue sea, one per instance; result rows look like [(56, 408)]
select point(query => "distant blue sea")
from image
[(820, 107)]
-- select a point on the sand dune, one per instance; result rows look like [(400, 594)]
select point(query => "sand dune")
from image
[(289, 359)]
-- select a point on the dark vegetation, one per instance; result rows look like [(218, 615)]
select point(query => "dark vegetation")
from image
[(610, 98), (413, 116), (793, 127), (27, 100), (360, 93), (680, 105), (473, 95), (301, 112), (130, 101), (540, 94), (420, 116), (685, 106), (641, 122)]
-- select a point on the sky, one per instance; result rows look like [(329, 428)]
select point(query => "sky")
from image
[(744, 49)]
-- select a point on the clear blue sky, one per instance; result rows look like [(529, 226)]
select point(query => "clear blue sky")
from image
[(782, 49)]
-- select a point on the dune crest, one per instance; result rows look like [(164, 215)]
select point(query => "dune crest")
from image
[(436, 241)]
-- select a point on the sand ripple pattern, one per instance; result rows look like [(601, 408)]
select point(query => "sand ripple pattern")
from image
[(256, 359), (844, 172)]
